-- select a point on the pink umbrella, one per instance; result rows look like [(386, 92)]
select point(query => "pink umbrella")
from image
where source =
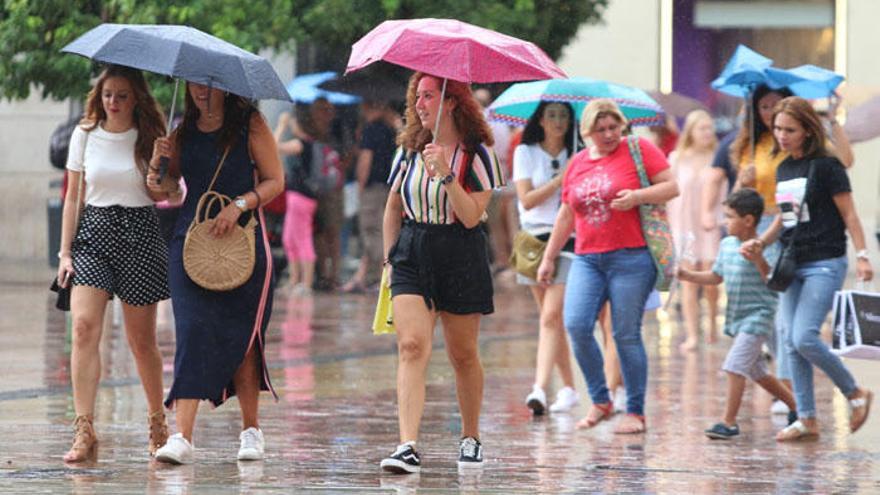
[(453, 49)]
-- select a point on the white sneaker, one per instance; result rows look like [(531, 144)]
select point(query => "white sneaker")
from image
[(177, 450), (566, 398), (252, 445), (537, 400), (779, 407), (619, 400)]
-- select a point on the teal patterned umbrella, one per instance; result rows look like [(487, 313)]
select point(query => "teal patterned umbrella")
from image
[(520, 101)]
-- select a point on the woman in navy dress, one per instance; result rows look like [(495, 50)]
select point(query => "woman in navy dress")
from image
[(220, 335)]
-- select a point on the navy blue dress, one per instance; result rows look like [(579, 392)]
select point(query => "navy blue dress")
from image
[(214, 330)]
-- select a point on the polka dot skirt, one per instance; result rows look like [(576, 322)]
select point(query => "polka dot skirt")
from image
[(119, 249)]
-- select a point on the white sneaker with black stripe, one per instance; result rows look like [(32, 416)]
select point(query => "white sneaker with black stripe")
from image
[(470, 453), (404, 460)]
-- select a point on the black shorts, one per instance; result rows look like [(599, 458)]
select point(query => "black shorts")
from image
[(448, 265)]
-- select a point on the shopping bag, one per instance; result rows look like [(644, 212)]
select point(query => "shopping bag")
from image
[(856, 324), (382, 321)]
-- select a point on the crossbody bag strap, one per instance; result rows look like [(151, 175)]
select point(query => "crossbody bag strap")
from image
[(219, 166), (810, 173), (80, 200)]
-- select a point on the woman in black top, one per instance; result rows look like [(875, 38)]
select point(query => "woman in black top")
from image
[(822, 201)]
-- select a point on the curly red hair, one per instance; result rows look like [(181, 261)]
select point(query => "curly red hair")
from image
[(467, 116)]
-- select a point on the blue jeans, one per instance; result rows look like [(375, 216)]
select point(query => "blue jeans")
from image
[(626, 278), (804, 307), (777, 343)]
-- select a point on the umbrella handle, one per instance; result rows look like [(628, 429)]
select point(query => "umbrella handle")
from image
[(439, 112)]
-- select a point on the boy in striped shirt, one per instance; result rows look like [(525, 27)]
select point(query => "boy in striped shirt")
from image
[(751, 307)]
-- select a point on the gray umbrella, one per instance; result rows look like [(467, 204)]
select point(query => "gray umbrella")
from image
[(185, 53), (863, 121)]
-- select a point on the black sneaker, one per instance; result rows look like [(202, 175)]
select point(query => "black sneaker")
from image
[(722, 432), (404, 460), (470, 453)]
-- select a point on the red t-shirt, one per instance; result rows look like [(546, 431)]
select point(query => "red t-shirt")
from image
[(590, 185)]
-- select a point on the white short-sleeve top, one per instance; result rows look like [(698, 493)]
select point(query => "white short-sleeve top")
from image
[(531, 162), (112, 176)]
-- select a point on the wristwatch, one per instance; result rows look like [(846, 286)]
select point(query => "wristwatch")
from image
[(863, 255), (241, 204), (448, 179)]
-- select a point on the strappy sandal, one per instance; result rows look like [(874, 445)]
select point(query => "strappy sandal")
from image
[(859, 410), (796, 432), (632, 431), (606, 410), (85, 441), (158, 432)]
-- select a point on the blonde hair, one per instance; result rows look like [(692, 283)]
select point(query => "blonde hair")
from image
[(598, 108), (686, 140)]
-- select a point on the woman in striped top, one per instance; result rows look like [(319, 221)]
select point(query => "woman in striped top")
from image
[(435, 241)]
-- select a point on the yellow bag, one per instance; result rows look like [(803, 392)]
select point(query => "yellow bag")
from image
[(526, 255), (383, 322)]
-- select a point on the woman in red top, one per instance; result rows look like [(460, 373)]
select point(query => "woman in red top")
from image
[(600, 196)]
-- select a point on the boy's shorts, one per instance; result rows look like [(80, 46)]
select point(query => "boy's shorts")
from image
[(746, 356)]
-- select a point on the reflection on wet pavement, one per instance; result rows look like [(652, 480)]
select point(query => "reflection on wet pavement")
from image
[(336, 417)]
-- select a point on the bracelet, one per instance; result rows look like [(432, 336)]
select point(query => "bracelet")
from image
[(62, 254), (386, 261), (259, 199), (862, 254)]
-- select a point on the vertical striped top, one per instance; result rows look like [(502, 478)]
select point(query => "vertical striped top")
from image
[(424, 199)]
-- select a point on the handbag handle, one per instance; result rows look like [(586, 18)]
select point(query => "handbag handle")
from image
[(636, 153)]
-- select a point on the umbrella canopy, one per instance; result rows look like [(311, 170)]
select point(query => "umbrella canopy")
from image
[(520, 101), (862, 122), (676, 104), (304, 89), (182, 52), (807, 81), (745, 70), (453, 49)]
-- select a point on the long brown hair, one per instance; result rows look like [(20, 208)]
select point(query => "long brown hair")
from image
[(741, 142), (800, 109), (467, 116), (147, 115), (237, 112)]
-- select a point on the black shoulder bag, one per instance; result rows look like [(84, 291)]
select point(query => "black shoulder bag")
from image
[(786, 265)]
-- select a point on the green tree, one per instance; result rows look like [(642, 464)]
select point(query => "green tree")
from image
[(32, 32)]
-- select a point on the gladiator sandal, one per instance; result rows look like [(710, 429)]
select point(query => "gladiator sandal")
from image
[(85, 441), (158, 431)]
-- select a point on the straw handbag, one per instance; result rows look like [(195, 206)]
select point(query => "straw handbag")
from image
[(218, 263)]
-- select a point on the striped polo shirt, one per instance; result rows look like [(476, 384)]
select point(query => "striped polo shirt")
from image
[(424, 198)]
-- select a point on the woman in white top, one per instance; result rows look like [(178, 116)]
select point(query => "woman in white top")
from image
[(116, 248), (538, 166), (691, 163)]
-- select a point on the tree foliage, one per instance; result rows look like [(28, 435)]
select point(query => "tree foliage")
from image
[(32, 32)]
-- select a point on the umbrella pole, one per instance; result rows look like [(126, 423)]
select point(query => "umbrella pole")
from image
[(173, 103), (751, 123), (439, 112)]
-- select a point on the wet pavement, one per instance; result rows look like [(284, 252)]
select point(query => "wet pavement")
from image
[(336, 417)]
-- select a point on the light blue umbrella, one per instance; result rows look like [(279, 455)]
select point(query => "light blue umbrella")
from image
[(182, 52), (516, 105), (746, 70), (807, 81), (304, 89)]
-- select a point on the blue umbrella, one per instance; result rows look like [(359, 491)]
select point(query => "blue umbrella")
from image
[(304, 89), (182, 52), (807, 81), (745, 70)]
